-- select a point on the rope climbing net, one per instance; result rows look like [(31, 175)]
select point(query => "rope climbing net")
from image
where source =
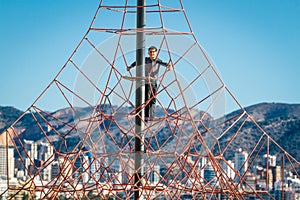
[(86, 150)]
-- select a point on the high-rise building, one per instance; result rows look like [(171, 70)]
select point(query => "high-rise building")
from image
[(229, 169), (84, 167), (202, 163), (240, 162), (7, 162), (115, 170), (31, 149), (271, 171), (39, 155), (65, 167), (209, 175), (155, 175), (55, 170), (29, 157), (86, 173), (278, 174), (95, 169), (45, 151), (270, 159), (45, 155), (129, 166)]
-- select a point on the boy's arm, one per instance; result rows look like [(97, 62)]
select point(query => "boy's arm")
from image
[(167, 65), (131, 66)]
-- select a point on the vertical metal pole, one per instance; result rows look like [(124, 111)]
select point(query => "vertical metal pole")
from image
[(139, 98)]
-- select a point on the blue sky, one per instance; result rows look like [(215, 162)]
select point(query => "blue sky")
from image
[(255, 45)]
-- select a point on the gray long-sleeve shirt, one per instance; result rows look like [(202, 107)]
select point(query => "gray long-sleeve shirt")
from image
[(151, 67)]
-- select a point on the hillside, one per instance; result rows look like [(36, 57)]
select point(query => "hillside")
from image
[(8, 115), (280, 121)]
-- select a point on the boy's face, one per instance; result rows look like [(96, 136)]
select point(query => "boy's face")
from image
[(152, 54)]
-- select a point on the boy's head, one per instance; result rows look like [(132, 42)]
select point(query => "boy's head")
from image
[(152, 52)]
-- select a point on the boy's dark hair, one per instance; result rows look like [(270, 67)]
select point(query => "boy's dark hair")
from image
[(152, 47)]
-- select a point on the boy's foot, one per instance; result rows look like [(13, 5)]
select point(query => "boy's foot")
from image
[(154, 119)]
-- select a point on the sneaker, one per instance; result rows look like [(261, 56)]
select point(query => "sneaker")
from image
[(147, 119), (155, 119)]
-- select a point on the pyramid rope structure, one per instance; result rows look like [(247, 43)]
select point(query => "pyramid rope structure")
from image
[(87, 149)]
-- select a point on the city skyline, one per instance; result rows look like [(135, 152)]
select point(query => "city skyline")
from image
[(265, 176)]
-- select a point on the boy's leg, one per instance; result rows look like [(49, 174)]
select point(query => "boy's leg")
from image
[(147, 95), (152, 95)]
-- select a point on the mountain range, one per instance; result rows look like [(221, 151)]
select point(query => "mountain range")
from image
[(280, 121)]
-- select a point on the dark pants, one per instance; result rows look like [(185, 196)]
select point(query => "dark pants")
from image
[(150, 95)]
